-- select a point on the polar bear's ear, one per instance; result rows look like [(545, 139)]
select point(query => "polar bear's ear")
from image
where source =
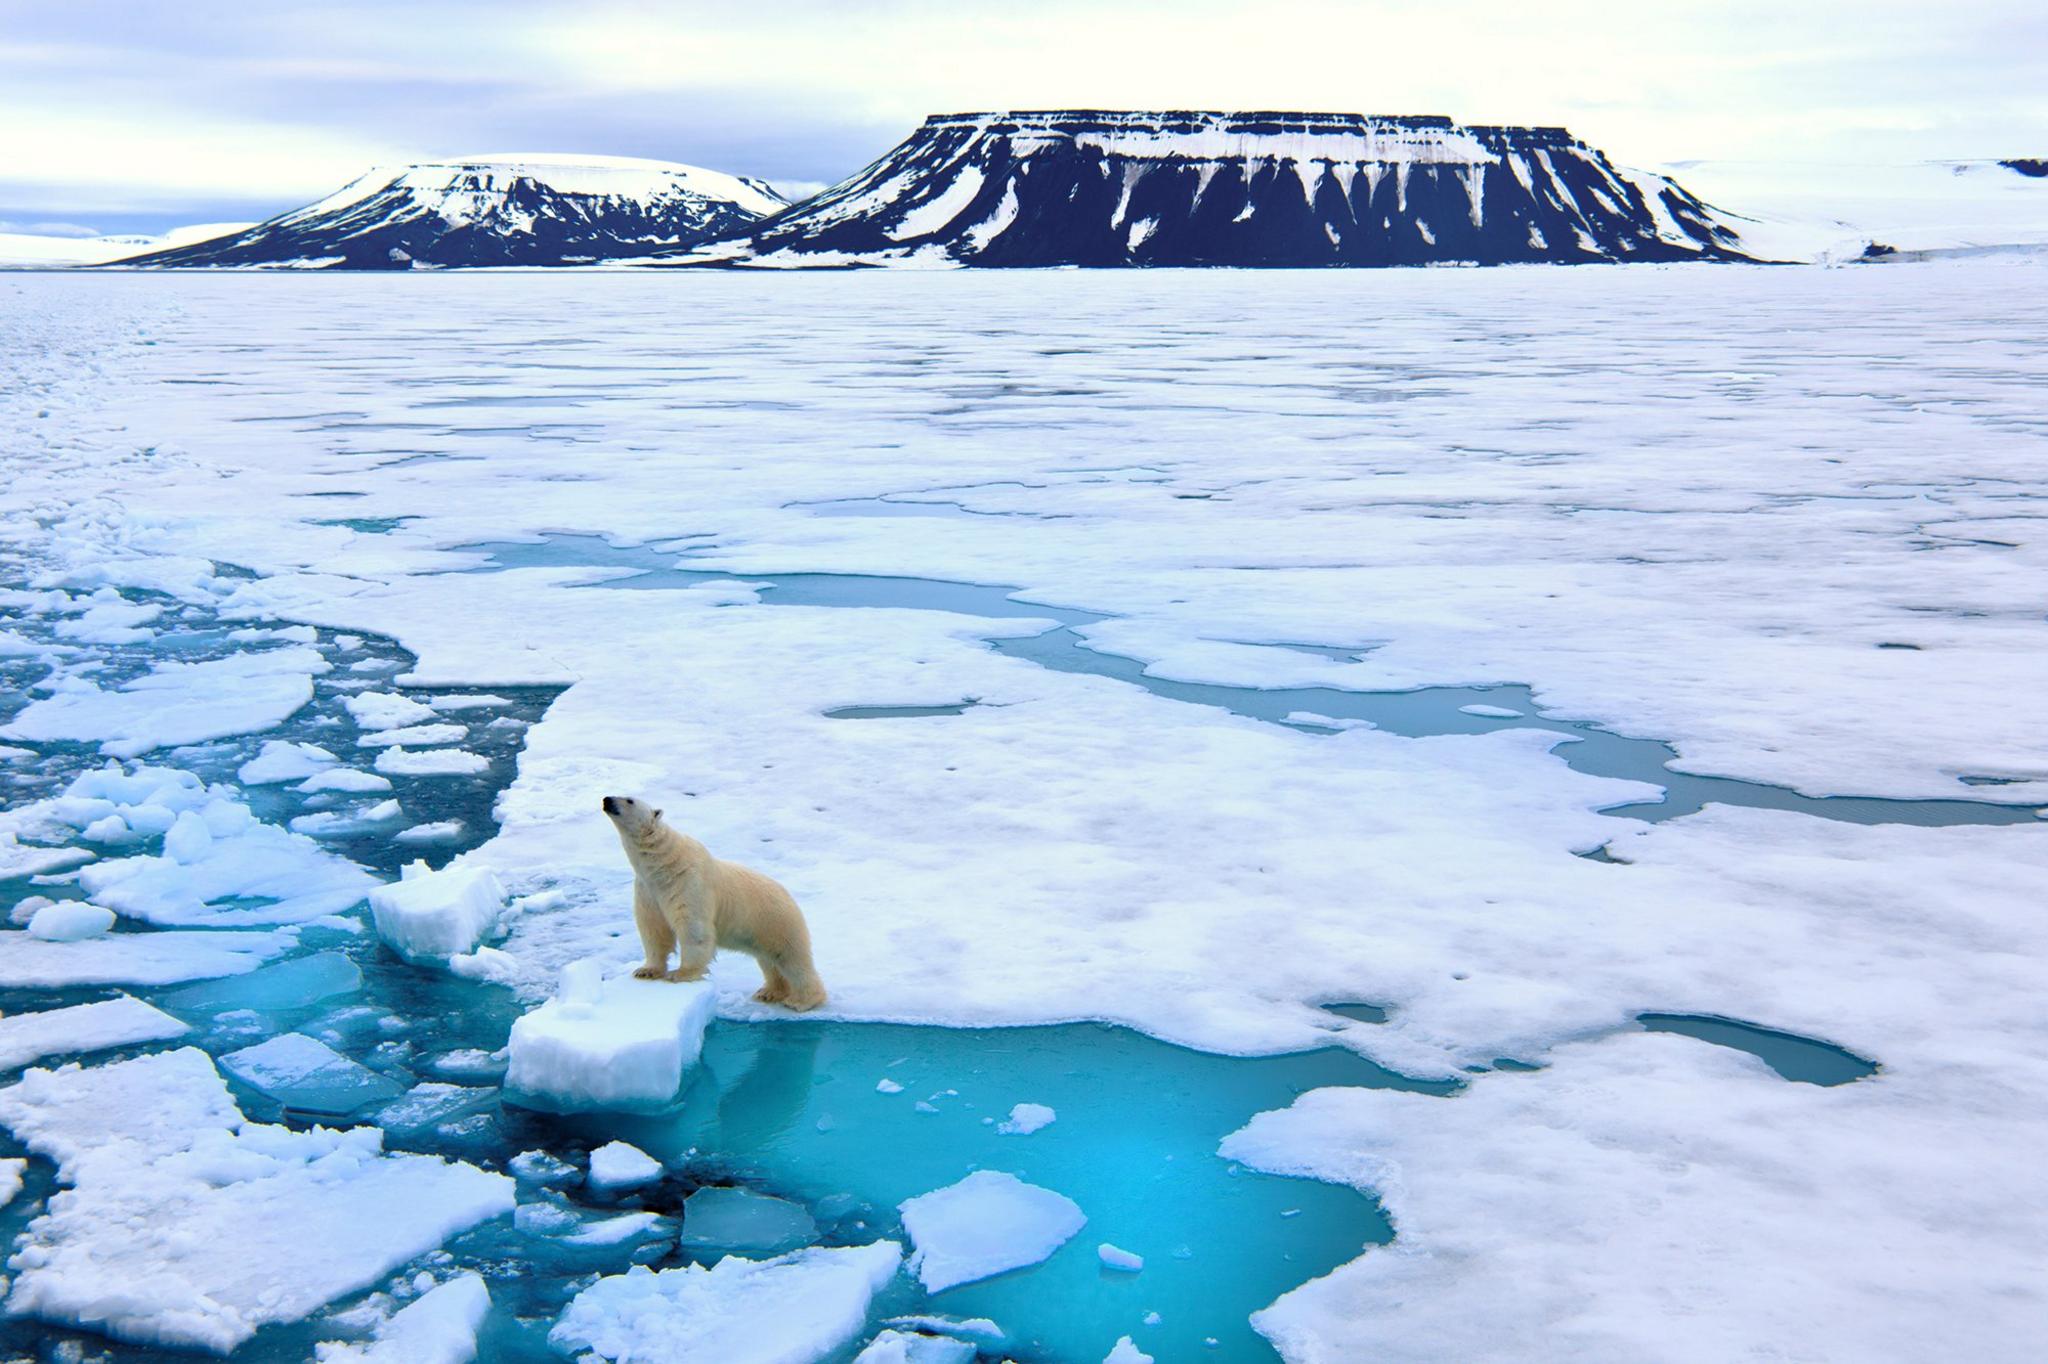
[(657, 814)]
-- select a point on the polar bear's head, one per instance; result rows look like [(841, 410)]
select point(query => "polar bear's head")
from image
[(633, 817)]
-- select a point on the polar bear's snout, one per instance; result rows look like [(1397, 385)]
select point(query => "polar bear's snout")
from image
[(632, 816)]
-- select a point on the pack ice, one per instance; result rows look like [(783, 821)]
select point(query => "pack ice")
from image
[(788, 1310), (186, 1225), (609, 1043), (219, 865)]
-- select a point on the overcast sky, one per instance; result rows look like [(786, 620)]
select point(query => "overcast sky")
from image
[(131, 114)]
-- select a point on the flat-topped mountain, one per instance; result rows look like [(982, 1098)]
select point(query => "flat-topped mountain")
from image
[(1097, 188), (516, 209)]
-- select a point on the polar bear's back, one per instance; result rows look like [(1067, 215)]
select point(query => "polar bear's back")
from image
[(754, 913)]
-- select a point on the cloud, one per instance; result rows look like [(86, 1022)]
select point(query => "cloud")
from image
[(108, 106)]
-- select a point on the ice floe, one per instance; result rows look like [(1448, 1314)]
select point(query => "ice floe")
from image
[(1025, 1119), (446, 913), (117, 1022), (987, 1224), (603, 1043), (305, 1074), (135, 958), (186, 1225), (618, 1165), (177, 703), (70, 921), (796, 1307), (438, 1327)]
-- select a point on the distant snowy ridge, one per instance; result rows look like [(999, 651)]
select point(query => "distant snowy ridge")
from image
[(503, 209), (1089, 187), (37, 250), (1831, 211)]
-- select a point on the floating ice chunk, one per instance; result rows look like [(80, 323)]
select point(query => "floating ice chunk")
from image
[(613, 1231), (110, 619), (430, 1103), (25, 908), (605, 1043), (797, 1307), (291, 634), (386, 710), (306, 1074), (1493, 712), (439, 1327), (69, 921), (742, 1220), (1125, 1352), (885, 1085), (986, 1224), (345, 779), (413, 734), (109, 829), (282, 760), (539, 1167), (188, 838), (266, 875), (904, 1347), (189, 1226), (980, 1327), (287, 985), (133, 958), (116, 1022), (342, 823), (11, 1171), (486, 963), (1115, 1257), (1025, 1119), (25, 859), (443, 913), (178, 703), (618, 1165), (431, 762), (479, 701), (441, 831)]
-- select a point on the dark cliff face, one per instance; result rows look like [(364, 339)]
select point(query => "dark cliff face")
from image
[(1099, 188), (540, 212)]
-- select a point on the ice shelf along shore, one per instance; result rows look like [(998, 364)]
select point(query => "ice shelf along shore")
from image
[(1787, 522)]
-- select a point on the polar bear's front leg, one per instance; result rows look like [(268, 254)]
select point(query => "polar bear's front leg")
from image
[(695, 932), (656, 941)]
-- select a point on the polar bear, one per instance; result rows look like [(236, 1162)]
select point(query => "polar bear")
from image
[(687, 901)]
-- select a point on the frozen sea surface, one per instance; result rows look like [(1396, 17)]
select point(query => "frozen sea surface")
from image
[(1259, 542)]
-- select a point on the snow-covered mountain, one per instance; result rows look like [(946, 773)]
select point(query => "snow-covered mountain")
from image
[(515, 209), (1087, 187)]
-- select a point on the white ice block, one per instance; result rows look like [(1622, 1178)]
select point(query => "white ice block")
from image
[(438, 913), (609, 1043)]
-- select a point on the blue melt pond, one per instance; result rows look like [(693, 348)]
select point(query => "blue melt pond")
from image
[(802, 1109), (1805, 1059)]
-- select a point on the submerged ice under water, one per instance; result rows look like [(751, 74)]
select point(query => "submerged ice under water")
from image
[(797, 1110), (1423, 711)]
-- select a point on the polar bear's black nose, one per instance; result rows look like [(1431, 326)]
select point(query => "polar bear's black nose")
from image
[(611, 805)]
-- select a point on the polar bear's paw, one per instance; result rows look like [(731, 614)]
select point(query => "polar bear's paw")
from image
[(647, 973), (680, 976)]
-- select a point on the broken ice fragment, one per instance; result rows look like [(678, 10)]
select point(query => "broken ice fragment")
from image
[(609, 1043), (987, 1224), (742, 1220), (306, 1074), (619, 1165)]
